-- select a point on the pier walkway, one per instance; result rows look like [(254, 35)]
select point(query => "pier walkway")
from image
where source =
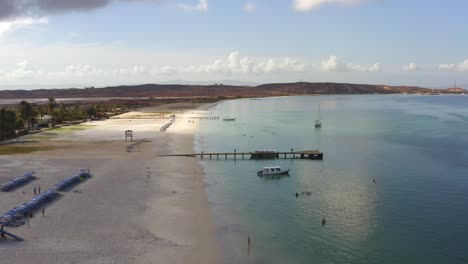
[(305, 154), (205, 117)]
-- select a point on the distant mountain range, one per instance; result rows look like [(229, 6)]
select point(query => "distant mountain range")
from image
[(187, 90)]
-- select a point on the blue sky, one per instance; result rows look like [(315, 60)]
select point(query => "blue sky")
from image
[(109, 42)]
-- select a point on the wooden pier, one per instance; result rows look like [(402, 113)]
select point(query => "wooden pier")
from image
[(305, 154), (205, 117)]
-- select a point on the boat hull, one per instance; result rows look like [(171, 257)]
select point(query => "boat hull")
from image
[(262, 173)]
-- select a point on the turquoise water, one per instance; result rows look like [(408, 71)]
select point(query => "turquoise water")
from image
[(416, 147)]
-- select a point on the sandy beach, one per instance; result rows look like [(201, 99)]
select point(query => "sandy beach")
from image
[(136, 208)]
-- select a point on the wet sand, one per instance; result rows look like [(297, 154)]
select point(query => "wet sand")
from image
[(120, 215)]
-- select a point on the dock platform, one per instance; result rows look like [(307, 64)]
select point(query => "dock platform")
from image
[(205, 117), (256, 155)]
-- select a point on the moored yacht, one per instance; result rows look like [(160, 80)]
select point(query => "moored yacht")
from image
[(276, 170)]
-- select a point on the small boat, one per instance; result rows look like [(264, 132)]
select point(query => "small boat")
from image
[(272, 171), (318, 123), (229, 118)]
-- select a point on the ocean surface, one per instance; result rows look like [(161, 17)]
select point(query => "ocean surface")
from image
[(415, 147)]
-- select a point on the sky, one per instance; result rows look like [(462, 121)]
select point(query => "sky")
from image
[(77, 43)]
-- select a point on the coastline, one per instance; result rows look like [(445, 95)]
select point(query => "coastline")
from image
[(189, 224), (119, 215)]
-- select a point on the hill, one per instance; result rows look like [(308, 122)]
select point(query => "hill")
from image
[(178, 90)]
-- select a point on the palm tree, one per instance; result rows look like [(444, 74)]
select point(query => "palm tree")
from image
[(51, 105), (91, 112), (26, 113), (7, 124), (41, 113)]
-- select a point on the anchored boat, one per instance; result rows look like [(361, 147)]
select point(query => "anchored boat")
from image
[(272, 171), (229, 118), (318, 123)]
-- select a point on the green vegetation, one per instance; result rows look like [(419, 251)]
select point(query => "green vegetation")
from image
[(12, 149), (21, 119), (8, 124), (72, 128), (55, 132)]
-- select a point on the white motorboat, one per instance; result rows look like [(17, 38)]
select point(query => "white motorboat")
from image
[(276, 170)]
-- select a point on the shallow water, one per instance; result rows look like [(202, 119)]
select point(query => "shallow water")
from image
[(416, 147)]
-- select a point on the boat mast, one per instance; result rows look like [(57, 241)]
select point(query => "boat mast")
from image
[(318, 112)]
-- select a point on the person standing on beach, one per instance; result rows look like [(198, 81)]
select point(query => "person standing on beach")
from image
[(2, 234), (43, 212), (34, 190), (248, 241), (39, 189)]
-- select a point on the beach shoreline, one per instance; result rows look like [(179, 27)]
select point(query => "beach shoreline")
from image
[(137, 207), (183, 198)]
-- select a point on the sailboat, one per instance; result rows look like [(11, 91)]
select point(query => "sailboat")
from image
[(318, 123)]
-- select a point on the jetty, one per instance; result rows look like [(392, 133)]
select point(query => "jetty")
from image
[(205, 117), (256, 155)]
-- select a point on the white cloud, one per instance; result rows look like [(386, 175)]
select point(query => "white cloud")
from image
[(6, 26), (375, 68), (234, 63), (332, 64), (201, 6), (79, 69), (131, 71), (411, 67), (22, 71), (249, 7), (88, 70), (98, 66), (447, 67), (306, 5), (462, 66)]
